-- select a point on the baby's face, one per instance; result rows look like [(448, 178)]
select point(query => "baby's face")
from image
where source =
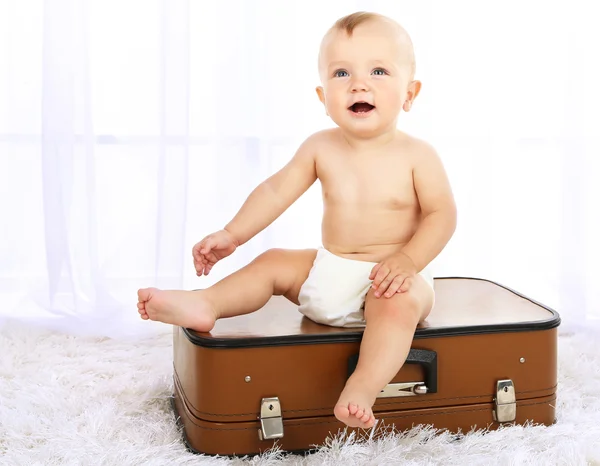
[(366, 78)]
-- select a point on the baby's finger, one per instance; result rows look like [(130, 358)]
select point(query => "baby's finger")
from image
[(202, 263), (394, 286), (381, 274), (406, 285), (199, 266), (208, 265), (196, 251), (207, 245), (381, 289), (374, 271)]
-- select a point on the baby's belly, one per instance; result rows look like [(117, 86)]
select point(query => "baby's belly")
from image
[(367, 235)]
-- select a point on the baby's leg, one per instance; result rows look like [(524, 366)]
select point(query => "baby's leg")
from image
[(391, 324), (275, 272)]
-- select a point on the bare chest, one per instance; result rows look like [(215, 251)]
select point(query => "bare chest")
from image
[(384, 181)]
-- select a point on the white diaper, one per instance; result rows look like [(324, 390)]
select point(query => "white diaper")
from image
[(334, 292)]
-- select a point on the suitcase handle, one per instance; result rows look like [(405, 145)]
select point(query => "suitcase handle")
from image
[(426, 358)]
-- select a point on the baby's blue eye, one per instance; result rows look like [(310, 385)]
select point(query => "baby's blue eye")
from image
[(340, 73), (379, 72)]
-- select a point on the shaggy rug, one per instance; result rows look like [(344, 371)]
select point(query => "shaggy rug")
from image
[(67, 400)]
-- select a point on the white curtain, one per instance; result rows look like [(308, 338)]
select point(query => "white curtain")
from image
[(130, 129)]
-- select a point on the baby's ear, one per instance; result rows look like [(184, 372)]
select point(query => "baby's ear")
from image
[(412, 92), (321, 94)]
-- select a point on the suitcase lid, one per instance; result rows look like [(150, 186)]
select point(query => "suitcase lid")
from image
[(463, 306)]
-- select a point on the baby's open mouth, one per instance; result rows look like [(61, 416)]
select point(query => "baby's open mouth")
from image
[(361, 107)]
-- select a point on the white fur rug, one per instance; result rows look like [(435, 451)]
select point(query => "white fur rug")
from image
[(68, 400)]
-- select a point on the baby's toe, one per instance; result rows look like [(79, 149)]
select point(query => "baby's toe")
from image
[(365, 417), (341, 412), (359, 413), (145, 294), (352, 408)]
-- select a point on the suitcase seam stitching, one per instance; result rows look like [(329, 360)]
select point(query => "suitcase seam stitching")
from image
[(400, 416), (289, 424), (378, 405)]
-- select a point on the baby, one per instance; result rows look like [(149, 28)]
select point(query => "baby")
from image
[(388, 212)]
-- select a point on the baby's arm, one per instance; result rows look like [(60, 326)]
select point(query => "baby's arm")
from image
[(437, 206), (274, 195)]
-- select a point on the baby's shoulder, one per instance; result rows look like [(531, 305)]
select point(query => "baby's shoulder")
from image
[(321, 142), (325, 137), (314, 145), (416, 148), (414, 143)]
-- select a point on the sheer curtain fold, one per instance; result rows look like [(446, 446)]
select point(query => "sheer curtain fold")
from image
[(173, 162), (74, 284), (129, 130)]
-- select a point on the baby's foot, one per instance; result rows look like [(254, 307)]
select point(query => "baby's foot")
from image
[(187, 309), (354, 407)]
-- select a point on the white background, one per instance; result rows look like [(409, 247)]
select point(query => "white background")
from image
[(131, 129)]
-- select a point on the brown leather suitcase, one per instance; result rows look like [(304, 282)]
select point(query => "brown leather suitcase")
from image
[(485, 356)]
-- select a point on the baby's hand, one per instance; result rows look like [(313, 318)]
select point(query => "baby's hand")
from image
[(393, 275), (211, 250)]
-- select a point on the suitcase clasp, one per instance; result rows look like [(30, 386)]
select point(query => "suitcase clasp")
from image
[(271, 422), (505, 401)]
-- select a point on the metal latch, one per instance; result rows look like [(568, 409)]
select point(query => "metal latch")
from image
[(505, 402), (403, 389), (271, 422)]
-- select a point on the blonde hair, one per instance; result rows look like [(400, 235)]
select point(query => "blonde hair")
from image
[(350, 22)]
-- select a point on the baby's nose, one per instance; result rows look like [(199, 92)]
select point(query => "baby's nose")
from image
[(359, 85)]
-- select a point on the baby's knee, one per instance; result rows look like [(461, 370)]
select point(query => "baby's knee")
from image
[(271, 256), (403, 306)]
